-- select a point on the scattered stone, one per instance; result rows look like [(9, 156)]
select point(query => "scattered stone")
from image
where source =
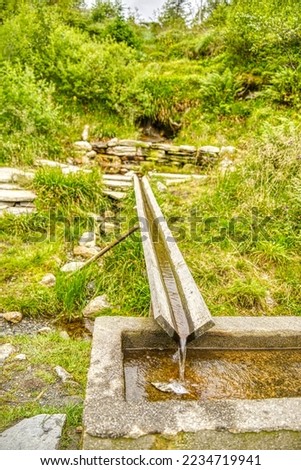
[(209, 149), (161, 187), (8, 175), (96, 305), (26, 204), (116, 195), (83, 145), (44, 331), (64, 335), (20, 357), (91, 286), (72, 266), (89, 325), (19, 195), (6, 205), (108, 227), (5, 351), (51, 163), (95, 217), (9, 186), (41, 432), (188, 148), (12, 317), (99, 146), (48, 280), (226, 165), (270, 301), (120, 151), (228, 150), (122, 185), (85, 252), (91, 155), (63, 374), (109, 214), (112, 142), (84, 160), (85, 133), (88, 239)]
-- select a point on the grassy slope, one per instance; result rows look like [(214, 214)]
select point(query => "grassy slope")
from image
[(226, 85)]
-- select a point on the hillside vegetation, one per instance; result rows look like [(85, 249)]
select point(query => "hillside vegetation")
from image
[(229, 75)]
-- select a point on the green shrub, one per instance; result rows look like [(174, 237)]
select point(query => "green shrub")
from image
[(29, 118), (74, 192), (219, 91)]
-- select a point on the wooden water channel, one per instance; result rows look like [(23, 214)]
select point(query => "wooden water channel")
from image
[(177, 304)]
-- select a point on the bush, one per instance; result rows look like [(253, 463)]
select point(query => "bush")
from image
[(74, 192), (219, 91), (29, 118)]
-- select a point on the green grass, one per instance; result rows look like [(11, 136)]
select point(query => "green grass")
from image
[(73, 193), (43, 353)]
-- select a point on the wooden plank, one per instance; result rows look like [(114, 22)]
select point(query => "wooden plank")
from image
[(196, 308)]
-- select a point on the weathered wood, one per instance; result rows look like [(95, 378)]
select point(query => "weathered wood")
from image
[(190, 301), (160, 303)]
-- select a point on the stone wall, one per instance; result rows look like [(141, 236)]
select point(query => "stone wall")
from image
[(136, 152)]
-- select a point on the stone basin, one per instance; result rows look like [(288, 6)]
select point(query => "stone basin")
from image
[(113, 420)]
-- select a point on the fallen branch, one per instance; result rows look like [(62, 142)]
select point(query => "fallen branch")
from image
[(105, 250)]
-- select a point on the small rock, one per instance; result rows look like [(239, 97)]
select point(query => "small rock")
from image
[(226, 165), (5, 351), (85, 252), (79, 429), (85, 160), (96, 305), (109, 214), (63, 374), (72, 266), (44, 331), (116, 195), (88, 239), (95, 217), (89, 325), (41, 432), (209, 149), (91, 286), (48, 280), (108, 227), (12, 317), (51, 163), (270, 301), (64, 335), (83, 145), (16, 195), (91, 155), (228, 150), (70, 161), (161, 187), (20, 357), (85, 133), (112, 142)]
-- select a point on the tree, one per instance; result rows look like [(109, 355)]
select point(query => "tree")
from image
[(173, 11)]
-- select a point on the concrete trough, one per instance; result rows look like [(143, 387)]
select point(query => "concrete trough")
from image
[(112, 422)]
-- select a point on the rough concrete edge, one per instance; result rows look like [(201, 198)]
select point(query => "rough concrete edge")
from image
[(108, 415)]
